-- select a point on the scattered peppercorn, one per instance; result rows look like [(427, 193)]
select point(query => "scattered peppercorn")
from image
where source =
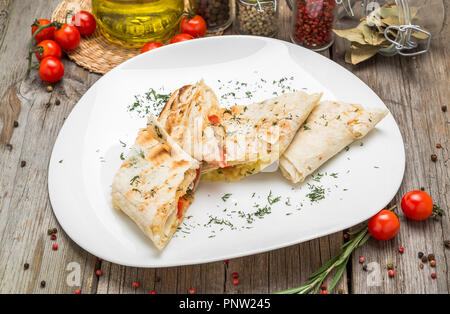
[(235, 275), (323, 287), (98, 272), (390, 265), (391, 273), (26, 266), (57, 102), (324, 292), (433, 275), (23, 163), (433, 157), (431, 257), (438, 145), (226, 261), (422, 188), (420, 254), (365, 267), (49, 88), (53, 237), (424, 259), (191, 291), (433, 263), (447, 243), (235, 282), (346, 236), (401, 249), (16, 124), (47, 105), (153, 292), (43, 283), (55, 247), (420, 265), (444, 108), (361, 260), (9, 147), (78, 291), (49, 231), (99, 259), (135, 284)]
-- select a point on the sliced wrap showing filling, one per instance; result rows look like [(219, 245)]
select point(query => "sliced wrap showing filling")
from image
[(329, 129), (256, 135), (156, 176)]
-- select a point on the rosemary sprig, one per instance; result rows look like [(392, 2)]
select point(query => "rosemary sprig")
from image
[(338, 262)]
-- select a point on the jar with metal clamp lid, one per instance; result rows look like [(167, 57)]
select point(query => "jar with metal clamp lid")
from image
[(404, 27), (257, 17)]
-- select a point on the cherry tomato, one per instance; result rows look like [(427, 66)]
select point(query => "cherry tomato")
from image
[(214, 119), (181, 37), (51, 70), (68, 37), (150, 46), (181, 205), (85, 22), (48, 48), (384, 225), (45, 34), (194, 25), (417, 205)]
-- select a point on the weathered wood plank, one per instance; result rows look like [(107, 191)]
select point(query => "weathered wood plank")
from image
[(414, 89)]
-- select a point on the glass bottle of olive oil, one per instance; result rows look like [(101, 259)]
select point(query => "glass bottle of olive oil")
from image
[(132, 23)]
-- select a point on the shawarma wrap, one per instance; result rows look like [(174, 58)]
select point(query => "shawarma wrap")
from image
[(155, 183), (258, 134), (330, 128), (191, 118)]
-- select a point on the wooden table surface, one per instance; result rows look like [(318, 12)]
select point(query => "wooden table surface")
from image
[(414, 89)]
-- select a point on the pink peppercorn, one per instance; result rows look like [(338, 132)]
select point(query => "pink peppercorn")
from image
[(401, 249), (135, 284), (55, 247), (235, 282), (391, 273)]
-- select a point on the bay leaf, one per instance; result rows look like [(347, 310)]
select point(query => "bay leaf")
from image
[(352, 34), (360, 54), (391, 20), (388, 11), (419, 35), (367, 32)]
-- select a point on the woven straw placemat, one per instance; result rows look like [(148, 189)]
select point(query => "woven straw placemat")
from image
[(95, 52)]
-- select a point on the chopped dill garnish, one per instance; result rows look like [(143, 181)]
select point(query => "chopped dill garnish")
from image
[(272, 200), (226, 196), (316, 193)]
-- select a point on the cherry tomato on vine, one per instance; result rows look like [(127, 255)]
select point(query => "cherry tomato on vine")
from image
[(384, 225), (150, 46), (68, 37), (417, 205), (193, 25), (51, 70), (181, 37), (45, 34), (85, 22), (48, 48)]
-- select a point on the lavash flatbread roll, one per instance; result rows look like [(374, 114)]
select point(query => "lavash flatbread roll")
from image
[(258, 134), (191, 117), (330, 128), (155, 177)]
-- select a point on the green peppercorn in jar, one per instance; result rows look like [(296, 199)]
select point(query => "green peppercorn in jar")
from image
[(257, 17)]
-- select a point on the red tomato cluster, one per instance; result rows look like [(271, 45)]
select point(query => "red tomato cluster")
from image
[(51, 41), (191, 27), (416, 205)]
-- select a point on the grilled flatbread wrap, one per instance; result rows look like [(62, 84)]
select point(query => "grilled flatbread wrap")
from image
[(156, 176), (258, 134), (191, 117), (329, 129)]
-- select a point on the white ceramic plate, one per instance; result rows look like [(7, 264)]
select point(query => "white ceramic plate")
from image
[(86, 156)]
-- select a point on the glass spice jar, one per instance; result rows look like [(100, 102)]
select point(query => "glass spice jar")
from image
[(218, 14), (313, 23), (257, 17), (407, 28)]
